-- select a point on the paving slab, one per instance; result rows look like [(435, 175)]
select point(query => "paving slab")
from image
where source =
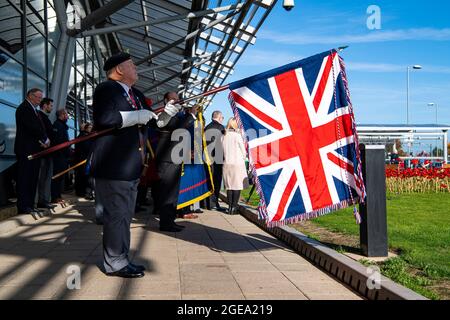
[(216, 256)]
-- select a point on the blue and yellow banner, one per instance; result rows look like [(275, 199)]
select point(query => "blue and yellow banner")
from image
[(196, 178)]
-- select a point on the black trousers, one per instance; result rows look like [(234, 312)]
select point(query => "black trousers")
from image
[(59, 164), (141, 195), (233, 197), (217, 173), (167, 195), (154, 196), (81, 181), (217, 177), (27, 181)]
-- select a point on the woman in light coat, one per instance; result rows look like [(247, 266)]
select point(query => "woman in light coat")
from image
[(234, 170)]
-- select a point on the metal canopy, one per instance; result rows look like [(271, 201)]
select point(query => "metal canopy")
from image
[(178, 45), (387, 134)]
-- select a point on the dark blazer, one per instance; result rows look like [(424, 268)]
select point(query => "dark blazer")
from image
[(117, 155), (60, 135), (218, 130), (29, 131), (47, 124), (82, 149), (165, 144)]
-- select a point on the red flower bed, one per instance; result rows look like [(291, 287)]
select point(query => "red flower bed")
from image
[(418, 180)]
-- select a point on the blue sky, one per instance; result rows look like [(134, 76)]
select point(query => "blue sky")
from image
[(412, 32)]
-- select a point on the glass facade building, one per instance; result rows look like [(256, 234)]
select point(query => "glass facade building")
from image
[(59, 46), (29, 35)]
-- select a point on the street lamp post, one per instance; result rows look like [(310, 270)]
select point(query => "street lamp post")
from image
[(432, 104), (416, 67)]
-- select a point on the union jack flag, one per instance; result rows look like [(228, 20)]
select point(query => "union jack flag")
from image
[(300, 131)]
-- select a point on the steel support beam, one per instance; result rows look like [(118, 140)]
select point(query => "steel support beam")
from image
[(229, 42), (445, 147), (171, 63), (190, 15), (187, 37), (96, 46), (65, 77), (58, 68), (177, 74), (99, 15)]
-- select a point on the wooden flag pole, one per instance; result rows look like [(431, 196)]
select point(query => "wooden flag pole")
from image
[(68, 169), (105, 131)]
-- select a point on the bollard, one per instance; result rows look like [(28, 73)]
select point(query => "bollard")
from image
[(373, 227)]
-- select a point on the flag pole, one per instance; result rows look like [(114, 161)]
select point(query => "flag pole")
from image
[(68, 143), (68, 169), (105, 131), (98, 133)]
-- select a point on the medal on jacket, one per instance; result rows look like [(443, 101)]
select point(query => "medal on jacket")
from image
[(133, 101)]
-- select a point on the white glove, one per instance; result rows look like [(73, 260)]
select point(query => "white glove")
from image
[(131, 118), (172, 109), (163, 119)]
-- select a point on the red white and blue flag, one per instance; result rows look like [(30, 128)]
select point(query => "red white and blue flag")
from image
[(300, 129)]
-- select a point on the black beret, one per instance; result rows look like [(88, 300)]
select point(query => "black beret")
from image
[(116, 59)]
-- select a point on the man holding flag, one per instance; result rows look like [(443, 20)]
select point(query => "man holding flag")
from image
[(169, 169), (117, 159)]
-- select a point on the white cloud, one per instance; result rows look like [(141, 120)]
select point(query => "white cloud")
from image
[(428, 34)]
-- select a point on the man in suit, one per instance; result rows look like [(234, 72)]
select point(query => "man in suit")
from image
[(46, 169), (60, 158), (30, 138), (213, 134), (168, 168), (116, 160)]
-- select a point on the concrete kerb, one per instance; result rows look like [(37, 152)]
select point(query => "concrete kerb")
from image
[(348, 271)]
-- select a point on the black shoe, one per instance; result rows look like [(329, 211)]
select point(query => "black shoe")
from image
[(139, 209), (230, 210), (170, 229), (26, 211), (179, 226), (127, 272), (46, 205), (198, 211), (137, 267), (235, 210), (217, 207)]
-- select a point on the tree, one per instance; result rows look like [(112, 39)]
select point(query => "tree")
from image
[(437, 152), (398, 145)]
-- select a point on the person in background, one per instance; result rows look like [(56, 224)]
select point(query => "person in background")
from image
[(46, 169), (234, 171), (168, 170), (82, 150), (61, 157), (30, 138), (214, 133)]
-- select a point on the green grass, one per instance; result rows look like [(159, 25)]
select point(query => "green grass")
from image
[(254, 200), (418, 227), (418, 230)]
